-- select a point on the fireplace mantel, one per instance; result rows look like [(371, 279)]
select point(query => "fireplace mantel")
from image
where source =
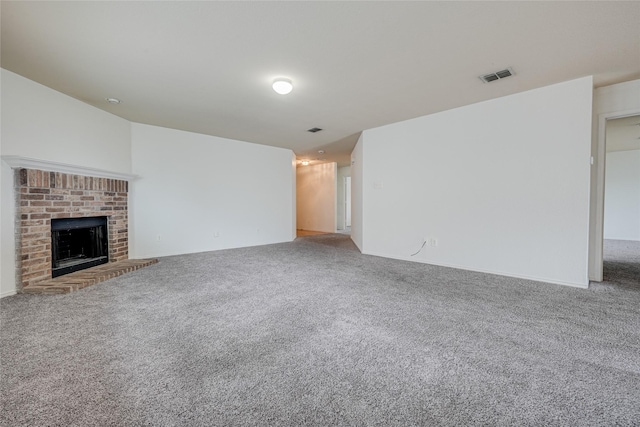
[(16, 162)]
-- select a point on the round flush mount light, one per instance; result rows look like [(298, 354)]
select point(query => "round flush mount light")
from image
[(282, 85), (114, 101), (305, 163)]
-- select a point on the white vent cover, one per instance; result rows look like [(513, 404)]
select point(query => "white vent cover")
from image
[(491, 77)]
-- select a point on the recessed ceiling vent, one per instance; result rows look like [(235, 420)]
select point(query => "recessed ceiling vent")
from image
[(314, 130), (492, 77)]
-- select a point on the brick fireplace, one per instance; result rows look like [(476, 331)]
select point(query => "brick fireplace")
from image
[(42, 196)]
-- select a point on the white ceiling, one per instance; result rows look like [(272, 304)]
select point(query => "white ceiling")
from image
[(623, 134), (207, 66)]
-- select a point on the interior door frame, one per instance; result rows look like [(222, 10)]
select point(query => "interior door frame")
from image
[(347, 201), (600, 188)]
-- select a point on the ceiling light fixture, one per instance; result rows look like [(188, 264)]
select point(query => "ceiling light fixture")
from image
[(282, 85), (114, 101), (321, 151), (305, 163)]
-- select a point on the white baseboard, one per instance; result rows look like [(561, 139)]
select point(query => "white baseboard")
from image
[(498, 273), (7, 293)]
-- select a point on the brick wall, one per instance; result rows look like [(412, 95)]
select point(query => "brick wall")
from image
[(42, 196)]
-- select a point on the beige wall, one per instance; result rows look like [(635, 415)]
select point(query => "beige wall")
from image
[(343, 173), (316, 197)]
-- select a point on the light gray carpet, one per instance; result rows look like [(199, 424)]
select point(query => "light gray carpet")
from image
[(621, 264), (314, 333)]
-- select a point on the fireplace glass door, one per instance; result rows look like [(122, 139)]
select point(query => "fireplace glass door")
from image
[(78, 243)]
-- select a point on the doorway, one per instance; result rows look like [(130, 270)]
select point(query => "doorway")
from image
[(347, 203), (343, 202), (621, 216)]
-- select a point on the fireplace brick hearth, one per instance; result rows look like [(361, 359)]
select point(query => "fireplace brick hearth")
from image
[(42, 196)]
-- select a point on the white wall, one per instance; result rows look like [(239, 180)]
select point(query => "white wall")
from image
[(7, 231), (609, 102), (44, 124), (343, 172), (40, 123), (357, 193), (316, 197), (294, 203), (200, 193), (503, 185), (5, 248), (622, 196), (243, 192)]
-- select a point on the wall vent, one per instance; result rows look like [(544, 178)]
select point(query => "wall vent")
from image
[(314, 130), (492, 77)]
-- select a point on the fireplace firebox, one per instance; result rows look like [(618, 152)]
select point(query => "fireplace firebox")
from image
[(78, 243)]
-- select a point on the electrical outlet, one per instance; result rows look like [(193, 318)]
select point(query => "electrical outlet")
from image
[(216, 234), (433, 241), (159, 237)]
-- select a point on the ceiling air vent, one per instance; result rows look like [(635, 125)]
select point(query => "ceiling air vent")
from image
[(488, 78), (314, 130)]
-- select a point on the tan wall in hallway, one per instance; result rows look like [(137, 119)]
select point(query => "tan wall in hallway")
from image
[(316, 197)]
